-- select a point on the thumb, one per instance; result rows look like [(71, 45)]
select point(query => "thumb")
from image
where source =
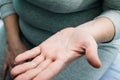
[(92, 57)]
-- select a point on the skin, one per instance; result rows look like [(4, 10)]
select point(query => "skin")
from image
[(14, 44), (65, 46)]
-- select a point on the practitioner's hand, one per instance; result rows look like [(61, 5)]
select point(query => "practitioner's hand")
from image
[(50, 57), (12, 50)]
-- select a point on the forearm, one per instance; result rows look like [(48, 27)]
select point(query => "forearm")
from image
[(101, 29), (12, 28)]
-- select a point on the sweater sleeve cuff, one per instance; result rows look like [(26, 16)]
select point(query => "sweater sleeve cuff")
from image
[(7, 10), (114, 16)]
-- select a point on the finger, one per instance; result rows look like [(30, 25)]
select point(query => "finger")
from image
[(29, 75), (28, 55), (4, 70), (5, 64), (51, 71), (27, 66), (22, 68), (92, 56), (10, 68)]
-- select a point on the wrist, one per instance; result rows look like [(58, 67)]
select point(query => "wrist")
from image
[(101, 29), (13, 40), (89, 29)]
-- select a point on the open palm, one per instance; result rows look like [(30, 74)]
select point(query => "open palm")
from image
[(51, 56)]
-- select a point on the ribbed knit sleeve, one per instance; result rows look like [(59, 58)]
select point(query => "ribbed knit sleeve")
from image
[(6, 8), (111, 10)]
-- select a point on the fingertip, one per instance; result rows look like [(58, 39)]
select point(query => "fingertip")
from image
[(98, 65), (12, 72), (95, 62), (4, 69), (15, 71), (27, 55), (17, 59), (93, 57)]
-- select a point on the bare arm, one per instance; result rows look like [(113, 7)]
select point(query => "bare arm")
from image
[(12, 28), (14, 44), (102, 29)]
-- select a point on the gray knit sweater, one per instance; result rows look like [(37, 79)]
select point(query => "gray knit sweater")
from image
[(39, 19)]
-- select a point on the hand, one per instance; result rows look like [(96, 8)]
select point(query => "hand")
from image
[(50, 57), (12, 50)]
